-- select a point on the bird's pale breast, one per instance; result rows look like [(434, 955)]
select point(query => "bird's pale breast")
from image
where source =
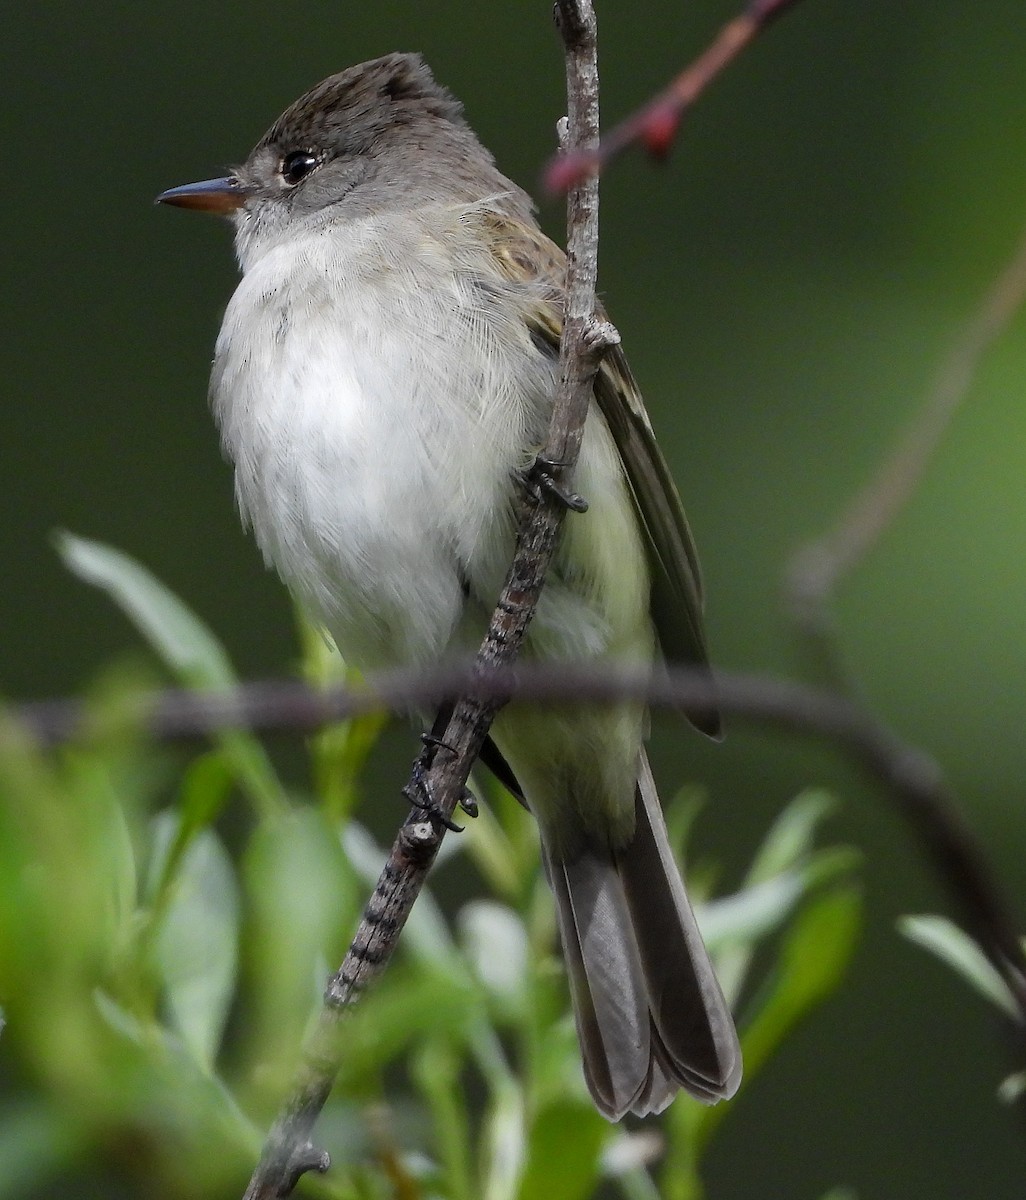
[(374, 409)]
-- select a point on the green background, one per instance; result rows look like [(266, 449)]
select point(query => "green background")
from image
[(784, 286)]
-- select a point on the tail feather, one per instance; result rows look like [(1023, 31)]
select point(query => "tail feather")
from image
[(690, 1016), (606, 980), (650, 1014)]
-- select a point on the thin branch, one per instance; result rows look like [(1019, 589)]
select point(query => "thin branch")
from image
[(818, 568), (911, 777), (655, 125), (290, 706), (442, 778), (817, 571)]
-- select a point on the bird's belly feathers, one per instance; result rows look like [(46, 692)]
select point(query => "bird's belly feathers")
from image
[(374, 417), (373, 431)]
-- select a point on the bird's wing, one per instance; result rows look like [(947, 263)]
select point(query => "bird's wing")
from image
[(525, 254)]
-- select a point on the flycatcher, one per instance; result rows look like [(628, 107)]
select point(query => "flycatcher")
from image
[(385, 367)]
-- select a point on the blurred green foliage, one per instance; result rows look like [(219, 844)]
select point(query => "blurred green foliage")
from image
[(785, 283), (157, 976)]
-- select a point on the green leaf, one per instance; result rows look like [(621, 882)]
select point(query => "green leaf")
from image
[(502, 1139), (196, 943), (790, 837), (495, 944), (735, 925), (302, 906), (120, 863), (681, 813), (184, 643), (494, 853), (120, 1019), (954, 947), (784, 871), (339, 750), (37, 1146), (162, 1085), (811, 962), (405, 1007), (436, 1065), (758, 910), (204, 792), (564, 1148)]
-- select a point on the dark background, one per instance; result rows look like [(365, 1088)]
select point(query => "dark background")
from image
[(784, 287)]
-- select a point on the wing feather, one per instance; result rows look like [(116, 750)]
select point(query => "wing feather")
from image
[(526, 254)]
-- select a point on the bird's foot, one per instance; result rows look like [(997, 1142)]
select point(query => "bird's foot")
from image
[(539, 479), (418, 790), (418, 793)]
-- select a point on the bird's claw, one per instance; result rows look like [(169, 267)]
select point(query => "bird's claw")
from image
[(418, 793), (540, 478)]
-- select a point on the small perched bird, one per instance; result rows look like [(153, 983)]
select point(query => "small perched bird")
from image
[(386, 366)]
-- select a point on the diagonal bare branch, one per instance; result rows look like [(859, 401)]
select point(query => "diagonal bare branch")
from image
[(820, 567), (912, 779), (288, 1151), (655, 124)]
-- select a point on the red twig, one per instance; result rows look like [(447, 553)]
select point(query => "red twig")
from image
[(655, 124)]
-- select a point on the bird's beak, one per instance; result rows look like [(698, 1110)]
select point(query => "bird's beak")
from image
[(221, 196)]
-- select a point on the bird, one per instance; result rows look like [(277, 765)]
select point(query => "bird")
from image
[(385, 370)]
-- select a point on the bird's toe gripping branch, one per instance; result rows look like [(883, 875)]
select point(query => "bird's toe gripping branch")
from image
[(540, 478)]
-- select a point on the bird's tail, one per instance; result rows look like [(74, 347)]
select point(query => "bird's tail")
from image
[(650, 1014)]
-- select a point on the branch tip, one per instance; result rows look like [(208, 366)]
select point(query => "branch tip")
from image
[(599, 337), (306, 1158), (660, 128), (655, 125), (419, 836)]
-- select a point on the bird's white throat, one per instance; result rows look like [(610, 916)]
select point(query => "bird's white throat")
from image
[(375, 402)]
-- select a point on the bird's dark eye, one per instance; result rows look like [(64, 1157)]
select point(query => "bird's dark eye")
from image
[(297, 165)]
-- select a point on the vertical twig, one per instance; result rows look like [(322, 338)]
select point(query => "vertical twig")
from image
[(288, 1151)]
